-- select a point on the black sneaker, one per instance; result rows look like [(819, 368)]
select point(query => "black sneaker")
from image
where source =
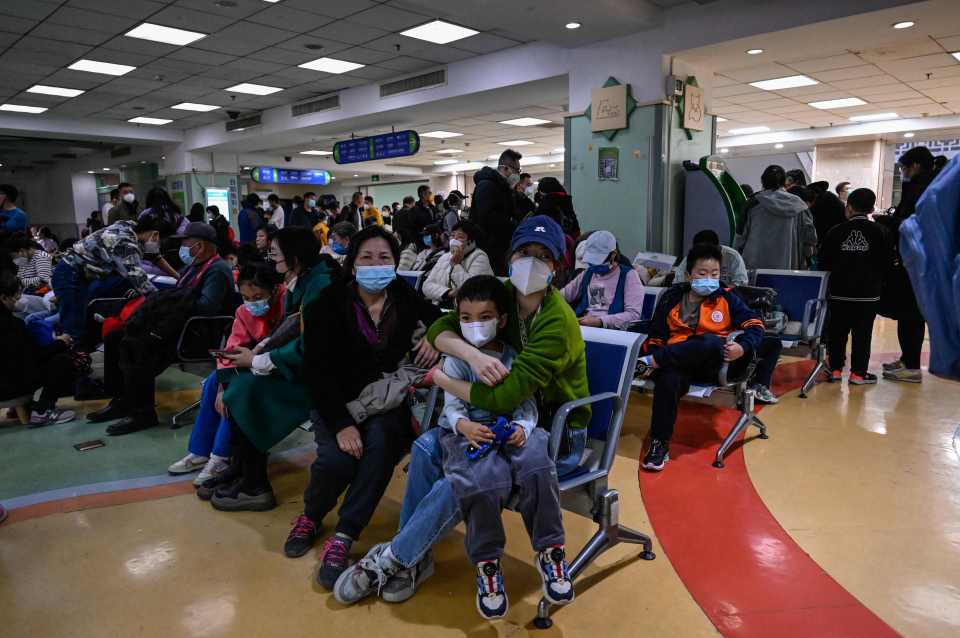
[(657, 455), (862, 379), (260, 499), (302, 537), (112, 411), (334, 560), (230, 477)]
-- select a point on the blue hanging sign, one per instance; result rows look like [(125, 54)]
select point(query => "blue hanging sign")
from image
[(271, 175), (377, 147)]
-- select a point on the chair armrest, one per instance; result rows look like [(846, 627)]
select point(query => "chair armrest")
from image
[(811, 310), (563, 413), (224, 319), (722, 376)]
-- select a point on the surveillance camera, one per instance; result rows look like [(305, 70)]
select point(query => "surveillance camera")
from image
[(287, 158), (233, 114)]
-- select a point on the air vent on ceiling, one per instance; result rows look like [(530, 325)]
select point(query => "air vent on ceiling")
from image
[(433, 78), (323, 104), (120, 151), (65, 155), (243, 122)]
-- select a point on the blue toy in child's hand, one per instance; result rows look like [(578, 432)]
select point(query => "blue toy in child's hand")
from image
[(502, 430)]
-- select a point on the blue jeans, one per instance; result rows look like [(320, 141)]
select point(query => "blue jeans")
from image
[(430, 508), (211, 432), (74, 291)]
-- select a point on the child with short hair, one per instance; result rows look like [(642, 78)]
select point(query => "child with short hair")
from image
[(483, 485)]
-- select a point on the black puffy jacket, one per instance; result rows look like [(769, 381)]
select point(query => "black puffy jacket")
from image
[(493, 210)]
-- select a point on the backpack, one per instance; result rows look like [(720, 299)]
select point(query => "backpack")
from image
[(764, 302)]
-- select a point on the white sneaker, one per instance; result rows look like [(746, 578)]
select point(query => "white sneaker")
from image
[(216, 466), (190, 463), (50, 417)]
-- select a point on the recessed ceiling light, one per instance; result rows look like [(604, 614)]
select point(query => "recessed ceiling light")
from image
[(515, 143), (22, 108), (754, 51), (253, 89), (908, 135), (441, 135), (449, 151), (155, 121), (191, 106), (330, 65), (525, 121), (107, 168), (722, 119), (573, 25), (165, 35), (842, 103), (778, 146), (54, 90), (355, 175), (91, 172), (560, 149), (874, 117), (906, 24), (106, 68), (750, 130), (956, 54), (271, 0), (790, 82), (445, 162), (316, 152), (439, 32), (724, 150)]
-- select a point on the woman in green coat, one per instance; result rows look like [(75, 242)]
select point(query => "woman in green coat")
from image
[(265, 398)]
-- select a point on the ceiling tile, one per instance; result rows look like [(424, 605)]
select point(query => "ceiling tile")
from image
[(737, 89), (899, 51), (485, 43), (334, 8), (284, 17), (240, 9), (826, 64), (55, 54), (13, 24), (389, 19), (440, 54), (759, 72), (243, 38), (29, 9), (185, 18), (293, 76), (848, 73), (74, 34), (254, 66), (352, 32), (287, 57), (866, 92), (136, 9), (207, 58), (104, 54), (96, 20), (225, 75), (138, 47), (374, 73), (300, 42), (950, 43), (363, 55), (918, 68), (875, 80), (76, 80), (150, 72)]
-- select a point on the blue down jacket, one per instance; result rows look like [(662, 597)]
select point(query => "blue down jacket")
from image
[(930, 247)]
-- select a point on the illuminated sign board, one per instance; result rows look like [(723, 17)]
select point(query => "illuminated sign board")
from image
[(378, 147), (271, 175)]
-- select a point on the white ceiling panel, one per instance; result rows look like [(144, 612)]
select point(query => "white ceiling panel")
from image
[(761, 72), (848, 73), (902, 50), (950, 43), (826, 64), (873, 80)]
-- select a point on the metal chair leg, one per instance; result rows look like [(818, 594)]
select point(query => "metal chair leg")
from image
[(609, 534), (741, 424), (187, 410), (817, 369), (760, 426)]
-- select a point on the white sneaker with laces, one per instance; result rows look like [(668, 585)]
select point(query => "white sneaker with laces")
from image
[(51, 417), (190, 463), (216, 466)]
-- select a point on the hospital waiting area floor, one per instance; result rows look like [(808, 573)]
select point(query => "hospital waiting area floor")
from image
[(845, 522)]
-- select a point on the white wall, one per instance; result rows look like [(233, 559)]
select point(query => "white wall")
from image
[(747, 170)]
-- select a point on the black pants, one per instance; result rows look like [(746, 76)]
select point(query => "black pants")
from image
[(55, 376), (768, 354), (250, 461), (850, 318), (910, 333), (130, 369), (386, 439), (696, 360)]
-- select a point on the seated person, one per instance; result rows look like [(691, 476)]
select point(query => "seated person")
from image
[(33, 263), (687, 342), (131, 362), (339, 244), (484, 485), (261, 287), (551, 365), (463, 261), (369, 320), (27, 367), (733, 271), (106, 263), (422, 255), (262, 239), (608, 294)]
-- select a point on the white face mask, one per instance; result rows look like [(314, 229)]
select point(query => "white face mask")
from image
[(479, 333), (455, 243), (129, 198), (530, 275)]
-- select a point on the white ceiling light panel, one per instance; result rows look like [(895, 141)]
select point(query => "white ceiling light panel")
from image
[(439, 32), (778, 84), (164, 35)]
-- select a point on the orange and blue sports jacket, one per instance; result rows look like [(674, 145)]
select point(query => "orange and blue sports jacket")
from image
[(721, 313)]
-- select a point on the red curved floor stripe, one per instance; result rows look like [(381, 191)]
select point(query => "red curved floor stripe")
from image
[(746, 573)]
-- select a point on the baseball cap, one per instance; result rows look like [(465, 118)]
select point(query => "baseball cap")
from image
[(599, 245), (198, 230), (539, 229)]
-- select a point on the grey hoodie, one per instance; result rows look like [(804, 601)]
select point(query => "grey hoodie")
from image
[(779, 232)]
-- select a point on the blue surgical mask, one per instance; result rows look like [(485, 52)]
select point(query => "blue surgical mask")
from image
[(428, 241), (373, 279), (705, 287), (338, 248), (257, 308), (185, 256)]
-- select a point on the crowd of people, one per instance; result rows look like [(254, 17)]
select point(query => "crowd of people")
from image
[(506, 285)]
